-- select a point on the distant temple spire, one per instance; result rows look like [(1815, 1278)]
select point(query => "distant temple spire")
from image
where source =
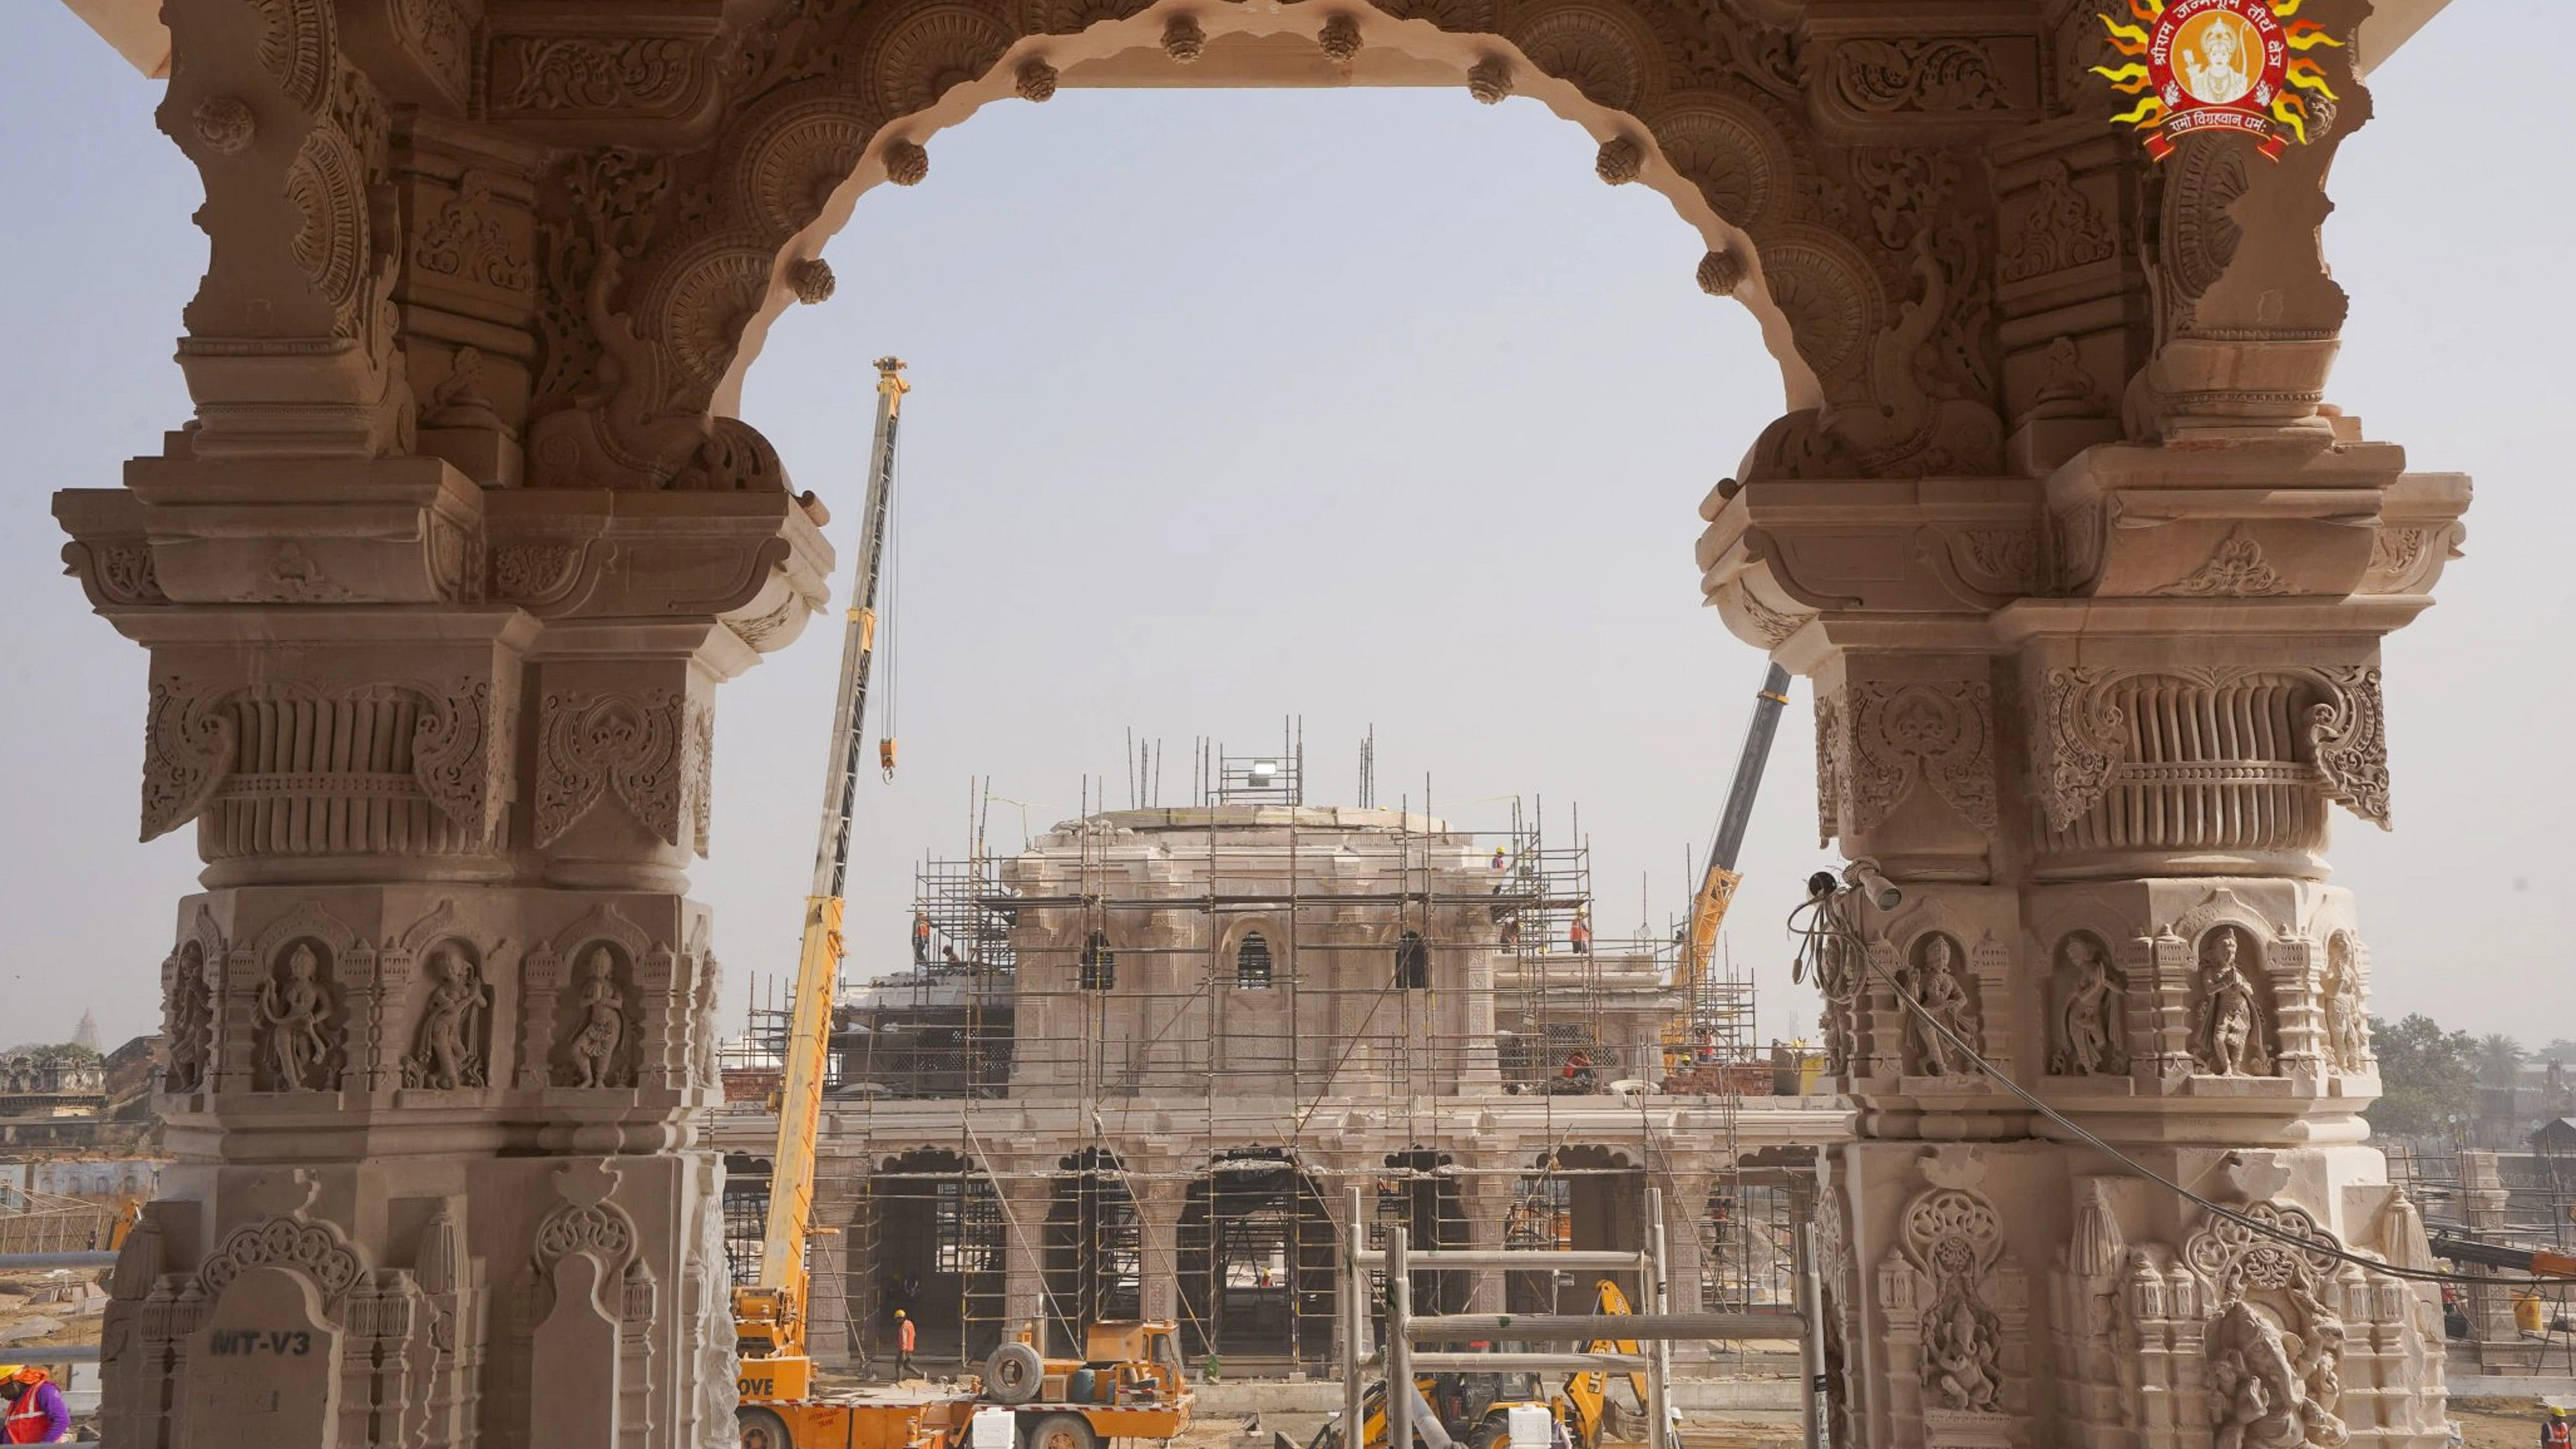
[(86, 1034)]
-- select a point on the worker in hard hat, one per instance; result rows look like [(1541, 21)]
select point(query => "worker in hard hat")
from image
[(2554, 1430), (905, 1341), (36, 1412)]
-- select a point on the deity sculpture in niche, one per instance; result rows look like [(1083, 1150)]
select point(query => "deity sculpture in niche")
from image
[(1959, 1355), (598, 1049), (192, 1016), (2228, 1040), (450, 1050), (294, 1010), (2269, 1389), (2347, 1019), (1946, 1032), (2089, 1012)]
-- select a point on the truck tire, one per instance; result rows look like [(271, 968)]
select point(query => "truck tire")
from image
[(1014, 1374), (1494, 1433), (1060, 1431), (759, 1428)]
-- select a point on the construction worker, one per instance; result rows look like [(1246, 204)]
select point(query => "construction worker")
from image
[(1498, 857), (920, 939), (905, 1341), (1577, 1077), (36, 1413), (1579, 935), (2554, 1431)]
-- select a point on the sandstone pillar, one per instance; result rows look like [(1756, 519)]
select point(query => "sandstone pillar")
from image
[(1159, 1199), (1026, 1199), (829, 1331), (440, 1018), (2092, 727), (1486, 1198), (2489, 1305)]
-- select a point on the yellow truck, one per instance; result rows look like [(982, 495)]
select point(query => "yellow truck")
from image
[(1127, 1385)]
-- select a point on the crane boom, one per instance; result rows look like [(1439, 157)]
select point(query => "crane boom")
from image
[(1717, 885), (771, 1315)]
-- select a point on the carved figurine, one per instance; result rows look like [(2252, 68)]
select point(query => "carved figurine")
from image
[(2230, 1040), (1946, 1002), (2347, 1019), (450, 1054), (598, 1047), (707, 1071), (1959, 1359), (2264, 1405), (294, 1009), (190, 1017), (2090, 1019)]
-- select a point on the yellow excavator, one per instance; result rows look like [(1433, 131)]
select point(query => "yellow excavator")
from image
[(770, 1314), (1473, 1410), (1717, 885)]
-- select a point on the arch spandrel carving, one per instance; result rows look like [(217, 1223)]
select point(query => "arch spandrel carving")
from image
[(705, 237)]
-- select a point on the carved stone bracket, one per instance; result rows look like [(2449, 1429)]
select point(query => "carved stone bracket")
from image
[(2314, 728)]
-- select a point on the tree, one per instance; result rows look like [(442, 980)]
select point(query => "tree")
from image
[(51, 1052), (2500, 1059), (2560, 1049), (2426, 1076)]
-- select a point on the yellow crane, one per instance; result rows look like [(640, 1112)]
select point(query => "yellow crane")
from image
[(1717, 885), (770, 1315)]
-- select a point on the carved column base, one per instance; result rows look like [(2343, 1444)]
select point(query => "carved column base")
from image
[(2043, 1293)]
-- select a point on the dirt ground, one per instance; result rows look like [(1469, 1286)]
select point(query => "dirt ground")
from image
[(2498, 1423)]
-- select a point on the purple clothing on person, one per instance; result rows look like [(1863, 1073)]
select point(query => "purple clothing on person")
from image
[(58, 1416)]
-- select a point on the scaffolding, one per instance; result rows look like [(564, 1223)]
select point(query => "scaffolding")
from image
[(1323, 962)]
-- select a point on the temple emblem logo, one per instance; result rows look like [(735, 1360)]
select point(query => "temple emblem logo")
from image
[(2217, 65)]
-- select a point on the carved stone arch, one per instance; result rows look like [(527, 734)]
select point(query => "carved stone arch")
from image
[(693, 249), (2223, 907), (1230, 941), (307, 919), (603, 922)]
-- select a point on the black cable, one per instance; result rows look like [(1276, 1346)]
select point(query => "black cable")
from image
[(1825, 924)]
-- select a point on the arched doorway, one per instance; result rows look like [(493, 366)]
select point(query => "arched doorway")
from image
[(1419, 1191), (1584, 1198), (1256, 1250), (929, 1241)]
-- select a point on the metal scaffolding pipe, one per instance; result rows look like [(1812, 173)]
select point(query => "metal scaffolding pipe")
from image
[(1584, 1327), (36, 1262), (1571, 1363), (1530, 1259)]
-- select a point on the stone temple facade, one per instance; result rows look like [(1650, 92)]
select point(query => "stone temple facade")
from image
[(1191, 1032), (440, 579)]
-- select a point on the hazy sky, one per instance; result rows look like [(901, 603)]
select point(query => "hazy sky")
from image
[(1372, 407)]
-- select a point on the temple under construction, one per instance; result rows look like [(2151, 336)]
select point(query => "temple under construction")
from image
[(1136, 1065)]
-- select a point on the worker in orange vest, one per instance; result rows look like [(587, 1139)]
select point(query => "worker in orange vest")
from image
[(1579, 935), (36, 1412), (920, 939), (2553, 1429), (905, 1341)]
